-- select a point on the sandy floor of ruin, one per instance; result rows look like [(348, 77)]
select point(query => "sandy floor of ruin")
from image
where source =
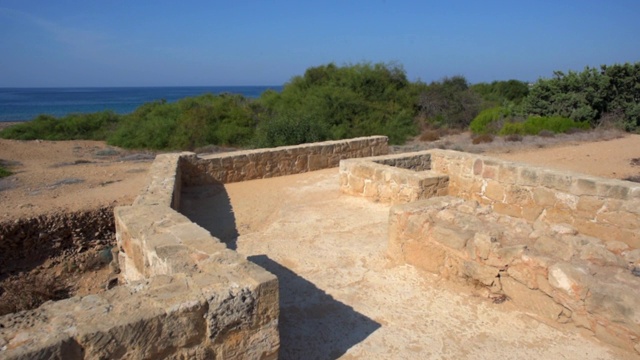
[(340, 298)]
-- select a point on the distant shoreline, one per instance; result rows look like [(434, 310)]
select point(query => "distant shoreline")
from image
[(18, 104)]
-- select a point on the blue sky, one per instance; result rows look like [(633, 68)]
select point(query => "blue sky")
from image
[(193, 43)]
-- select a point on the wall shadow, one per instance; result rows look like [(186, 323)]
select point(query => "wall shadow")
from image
[(210, 207), (313, 325)]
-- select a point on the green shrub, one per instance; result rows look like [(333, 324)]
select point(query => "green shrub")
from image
[(4, 172), (93, 126), (489, 121), (345, 101), (289, 130), (536, 124)]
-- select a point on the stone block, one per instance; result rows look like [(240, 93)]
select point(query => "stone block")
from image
[(570, 279), (451, 237), (531, 300), (424, 255), (487, 275), (552, 246)]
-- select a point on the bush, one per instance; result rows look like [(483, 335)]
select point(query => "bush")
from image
[(4, 172), (289, 130), (94, 126), (489, 121), (535, 124)]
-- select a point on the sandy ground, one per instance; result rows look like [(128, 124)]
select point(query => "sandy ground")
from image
[(67, 175), (616, 159), (340, 298)]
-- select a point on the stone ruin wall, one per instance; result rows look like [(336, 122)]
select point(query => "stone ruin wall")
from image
[(604, 208), (561, 245), (187, 295)]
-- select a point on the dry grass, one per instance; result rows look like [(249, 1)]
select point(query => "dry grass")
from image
[(482, 139), (429, 135)]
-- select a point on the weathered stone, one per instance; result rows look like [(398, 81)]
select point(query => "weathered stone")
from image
[(532, 300), (570, 279), (551, 246), (599, 255), (453, 238), (486, 275)]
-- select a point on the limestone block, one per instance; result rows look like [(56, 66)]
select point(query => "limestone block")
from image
[(424, 255), (451, 237), (528, 176), (621, 219), (556, 180), (502, 257), (481, 246), (508, 173), (531, 300), (599, 255), (615, 302), (616, 247), (552, 246), (487, 275), (571, 279), (590, 204), (543, 196), (495, 191)]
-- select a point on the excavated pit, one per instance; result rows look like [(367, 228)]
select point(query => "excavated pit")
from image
[(55, 256)]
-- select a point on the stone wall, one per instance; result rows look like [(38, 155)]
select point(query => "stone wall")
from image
[(288, 160), (186, 295), (562, 245), (392, 178), (549, 270), (604, 208)]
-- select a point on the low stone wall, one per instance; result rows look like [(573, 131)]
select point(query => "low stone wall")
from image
[(287, 160), (392, 178), (563, 245), (549, 270), (186, 296), (604, 208)]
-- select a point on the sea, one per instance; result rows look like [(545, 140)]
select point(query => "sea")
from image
[(24, 104)]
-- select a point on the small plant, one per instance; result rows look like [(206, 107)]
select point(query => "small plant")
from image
[(430, 135), (4, 172), (482, 139)]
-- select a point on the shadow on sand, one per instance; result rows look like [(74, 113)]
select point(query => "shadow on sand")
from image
[(210, 207), (313, 325)]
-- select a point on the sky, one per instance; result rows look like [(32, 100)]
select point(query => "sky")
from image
[(94, 43)]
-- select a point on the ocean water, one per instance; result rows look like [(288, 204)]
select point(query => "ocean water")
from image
[(23, 104)]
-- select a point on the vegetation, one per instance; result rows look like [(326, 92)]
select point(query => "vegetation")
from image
[(610, 94), (337, 102), (4, 172), (94, 126)]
